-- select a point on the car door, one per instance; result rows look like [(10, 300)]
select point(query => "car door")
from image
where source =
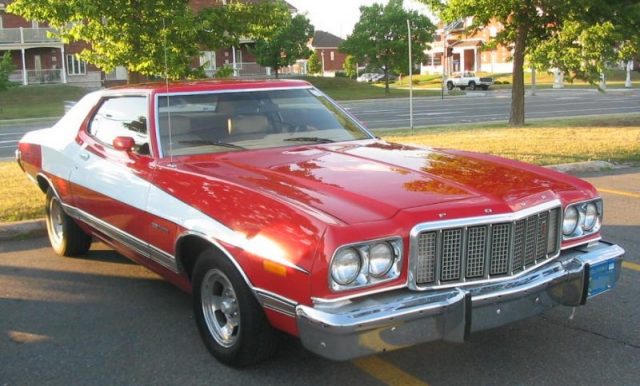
[(110, 187)]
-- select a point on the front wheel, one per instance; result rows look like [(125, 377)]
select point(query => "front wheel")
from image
[(231, 322), (449, 86), (472, 86), (66, 237)]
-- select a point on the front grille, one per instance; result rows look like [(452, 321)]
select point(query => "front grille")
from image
[(484, 251), (486, 79)]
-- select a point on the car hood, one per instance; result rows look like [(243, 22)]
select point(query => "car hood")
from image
[(372, 180)]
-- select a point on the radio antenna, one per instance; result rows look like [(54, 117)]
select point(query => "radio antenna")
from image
[(166, 83)]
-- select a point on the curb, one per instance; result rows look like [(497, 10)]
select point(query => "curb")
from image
[(22, 230), (585, 167), (37, 228)]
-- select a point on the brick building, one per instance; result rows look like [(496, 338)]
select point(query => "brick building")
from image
[(325, 45), (40, 58), (466, 51)]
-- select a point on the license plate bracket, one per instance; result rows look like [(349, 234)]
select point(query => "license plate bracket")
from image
[(603, 277)]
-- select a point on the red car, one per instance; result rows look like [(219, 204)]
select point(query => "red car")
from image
[(279, 211)]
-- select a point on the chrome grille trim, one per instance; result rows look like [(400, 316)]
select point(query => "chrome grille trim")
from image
[(489, 248)]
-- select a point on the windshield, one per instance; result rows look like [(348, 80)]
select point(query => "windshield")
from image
[(234, 121)]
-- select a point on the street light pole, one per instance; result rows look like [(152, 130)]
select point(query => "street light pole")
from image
[(410, 78), (442, 60)]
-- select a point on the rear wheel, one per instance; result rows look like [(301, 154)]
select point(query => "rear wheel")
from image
[(231, 322), (485, 88), (472, 85), (66, 237)]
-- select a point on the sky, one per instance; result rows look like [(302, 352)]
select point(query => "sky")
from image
[(339, 16)]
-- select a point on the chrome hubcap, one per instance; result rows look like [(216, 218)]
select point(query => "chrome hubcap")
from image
[(220, 308), (56, 214)]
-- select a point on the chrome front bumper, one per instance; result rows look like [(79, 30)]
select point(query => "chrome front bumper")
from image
[(402, 318)]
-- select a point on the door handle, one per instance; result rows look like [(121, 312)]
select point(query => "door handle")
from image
[(84, 156)]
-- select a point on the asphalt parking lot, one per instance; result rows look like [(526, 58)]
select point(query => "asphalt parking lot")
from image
[(103, 320)]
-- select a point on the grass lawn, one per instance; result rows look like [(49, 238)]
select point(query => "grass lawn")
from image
[(37, 101), (615, 78), (609, 138), (349, 89), (612, 138), (19, 198)]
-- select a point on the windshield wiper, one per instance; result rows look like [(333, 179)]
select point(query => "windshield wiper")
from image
[(309, 139), (212, 143)]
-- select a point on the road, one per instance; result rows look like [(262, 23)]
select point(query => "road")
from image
[(102, 320), (479, 106), (490, 106)]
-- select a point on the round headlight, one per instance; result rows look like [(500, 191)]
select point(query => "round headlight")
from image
[(380, 259), (346, 266), (590, 217), (570, 222)]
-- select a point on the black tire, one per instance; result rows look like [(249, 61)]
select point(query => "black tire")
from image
[(449, 86), (65, 236), (252, 339), (463, 88), (485, 88), (472, 86)]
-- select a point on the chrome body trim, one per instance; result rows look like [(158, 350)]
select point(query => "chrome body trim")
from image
[(220, 248), (402, 318), (276, 302), (473, 221), (139, 246)]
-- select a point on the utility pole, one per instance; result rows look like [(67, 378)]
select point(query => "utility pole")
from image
[(410, 79)]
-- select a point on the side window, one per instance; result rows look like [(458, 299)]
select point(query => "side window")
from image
[(122, 117)]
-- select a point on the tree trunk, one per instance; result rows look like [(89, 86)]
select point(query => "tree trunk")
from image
[(517, 91), (276, 70)]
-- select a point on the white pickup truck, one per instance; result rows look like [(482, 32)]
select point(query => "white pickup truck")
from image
[(468, 79)]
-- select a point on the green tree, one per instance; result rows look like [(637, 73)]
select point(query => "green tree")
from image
[(314, 64), (130, 33), (220, 27), (6, 68), (380, 38), (286, 45), (349, 67), (577, 37)]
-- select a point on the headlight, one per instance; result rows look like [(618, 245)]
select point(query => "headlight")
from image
[(365, 264), (570, 222), (582, 219), (346, 265), (590, 216), (380, 259)]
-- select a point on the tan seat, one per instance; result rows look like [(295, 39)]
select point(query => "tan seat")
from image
[(180, 130), (248, 124)]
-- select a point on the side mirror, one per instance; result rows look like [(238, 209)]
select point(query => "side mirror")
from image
[(125, 144)]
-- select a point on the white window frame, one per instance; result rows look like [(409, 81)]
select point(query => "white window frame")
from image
[(210, 58), (333, 56), (75, 66)]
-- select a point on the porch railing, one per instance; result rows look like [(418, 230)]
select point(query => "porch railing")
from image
[(27, 35)]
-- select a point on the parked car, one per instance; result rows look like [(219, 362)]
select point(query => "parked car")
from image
[(367, 77), (468, 79), (278, 210)]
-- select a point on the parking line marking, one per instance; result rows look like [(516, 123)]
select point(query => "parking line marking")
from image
[(630, 265), (386, 372), (620, 192)]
